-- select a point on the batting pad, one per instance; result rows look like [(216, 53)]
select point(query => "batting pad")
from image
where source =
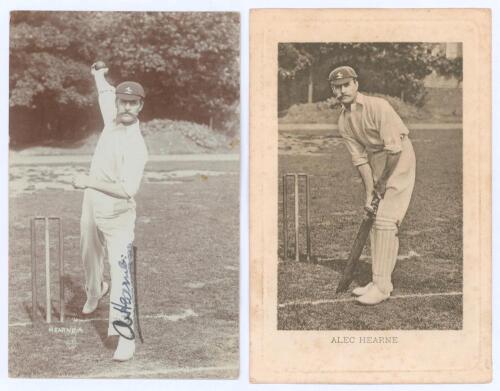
[(385, 246)]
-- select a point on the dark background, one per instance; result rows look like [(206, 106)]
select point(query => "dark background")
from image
[(187, 62), (394, 69)]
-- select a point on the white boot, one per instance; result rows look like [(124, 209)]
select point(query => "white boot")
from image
[(125, 349), (373, 296), (361, 290), (92, 302)]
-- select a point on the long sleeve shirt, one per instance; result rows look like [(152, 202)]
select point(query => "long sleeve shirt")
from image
[(120, 155), (371, 125)]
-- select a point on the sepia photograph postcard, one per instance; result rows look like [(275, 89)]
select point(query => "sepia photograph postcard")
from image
[(370, 196), (124, 169)]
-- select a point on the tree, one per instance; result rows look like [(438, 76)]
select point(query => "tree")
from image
[(449, 67), (396, 69), (188, 63)]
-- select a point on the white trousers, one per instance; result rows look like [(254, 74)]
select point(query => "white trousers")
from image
[(110, 238), (392, 209), (400, 184)]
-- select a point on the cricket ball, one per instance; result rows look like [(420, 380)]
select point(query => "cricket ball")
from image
[(99, 65)]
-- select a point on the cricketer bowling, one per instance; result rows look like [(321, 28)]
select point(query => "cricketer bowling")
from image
[(109, 210)]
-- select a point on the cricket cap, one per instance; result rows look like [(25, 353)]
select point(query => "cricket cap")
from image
[(342, 75), (130, 90)]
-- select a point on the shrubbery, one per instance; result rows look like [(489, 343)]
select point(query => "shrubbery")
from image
[(395, 69), (188, 63), (162, 134), (327, 112)]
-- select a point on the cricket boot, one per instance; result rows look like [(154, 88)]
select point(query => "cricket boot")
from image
[(92, 302), (125, 349), (373, 296), (361, 290)]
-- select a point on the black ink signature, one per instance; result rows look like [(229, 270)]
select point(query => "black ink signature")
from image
[(124, 326)]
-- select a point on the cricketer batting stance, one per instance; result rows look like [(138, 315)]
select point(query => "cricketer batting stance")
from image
[(109, 210), (378, 142)]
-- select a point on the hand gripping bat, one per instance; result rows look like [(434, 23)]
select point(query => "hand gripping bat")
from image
[(359, 244)]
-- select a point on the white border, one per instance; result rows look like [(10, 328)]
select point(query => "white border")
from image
[(243, 7)]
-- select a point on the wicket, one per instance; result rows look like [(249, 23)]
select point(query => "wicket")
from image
[(48, 305), (296, 179)]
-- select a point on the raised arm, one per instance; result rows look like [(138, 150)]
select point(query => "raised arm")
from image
[(106, 95)]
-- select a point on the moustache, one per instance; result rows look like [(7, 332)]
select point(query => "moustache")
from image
[(126, 118)]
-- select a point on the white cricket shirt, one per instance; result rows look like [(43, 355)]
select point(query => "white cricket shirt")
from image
[(120, 157)]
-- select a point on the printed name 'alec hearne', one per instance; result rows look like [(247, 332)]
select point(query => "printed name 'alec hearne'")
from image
[(361, 339)]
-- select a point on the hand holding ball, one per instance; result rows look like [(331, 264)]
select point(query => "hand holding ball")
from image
[(98, 66)]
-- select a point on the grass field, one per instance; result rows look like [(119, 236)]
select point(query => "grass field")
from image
[(428, 276), (187, 233)]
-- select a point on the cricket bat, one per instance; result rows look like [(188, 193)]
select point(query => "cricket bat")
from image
[(136, 299), (358, 245)]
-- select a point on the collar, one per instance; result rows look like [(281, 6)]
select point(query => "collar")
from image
[(360, 100)]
